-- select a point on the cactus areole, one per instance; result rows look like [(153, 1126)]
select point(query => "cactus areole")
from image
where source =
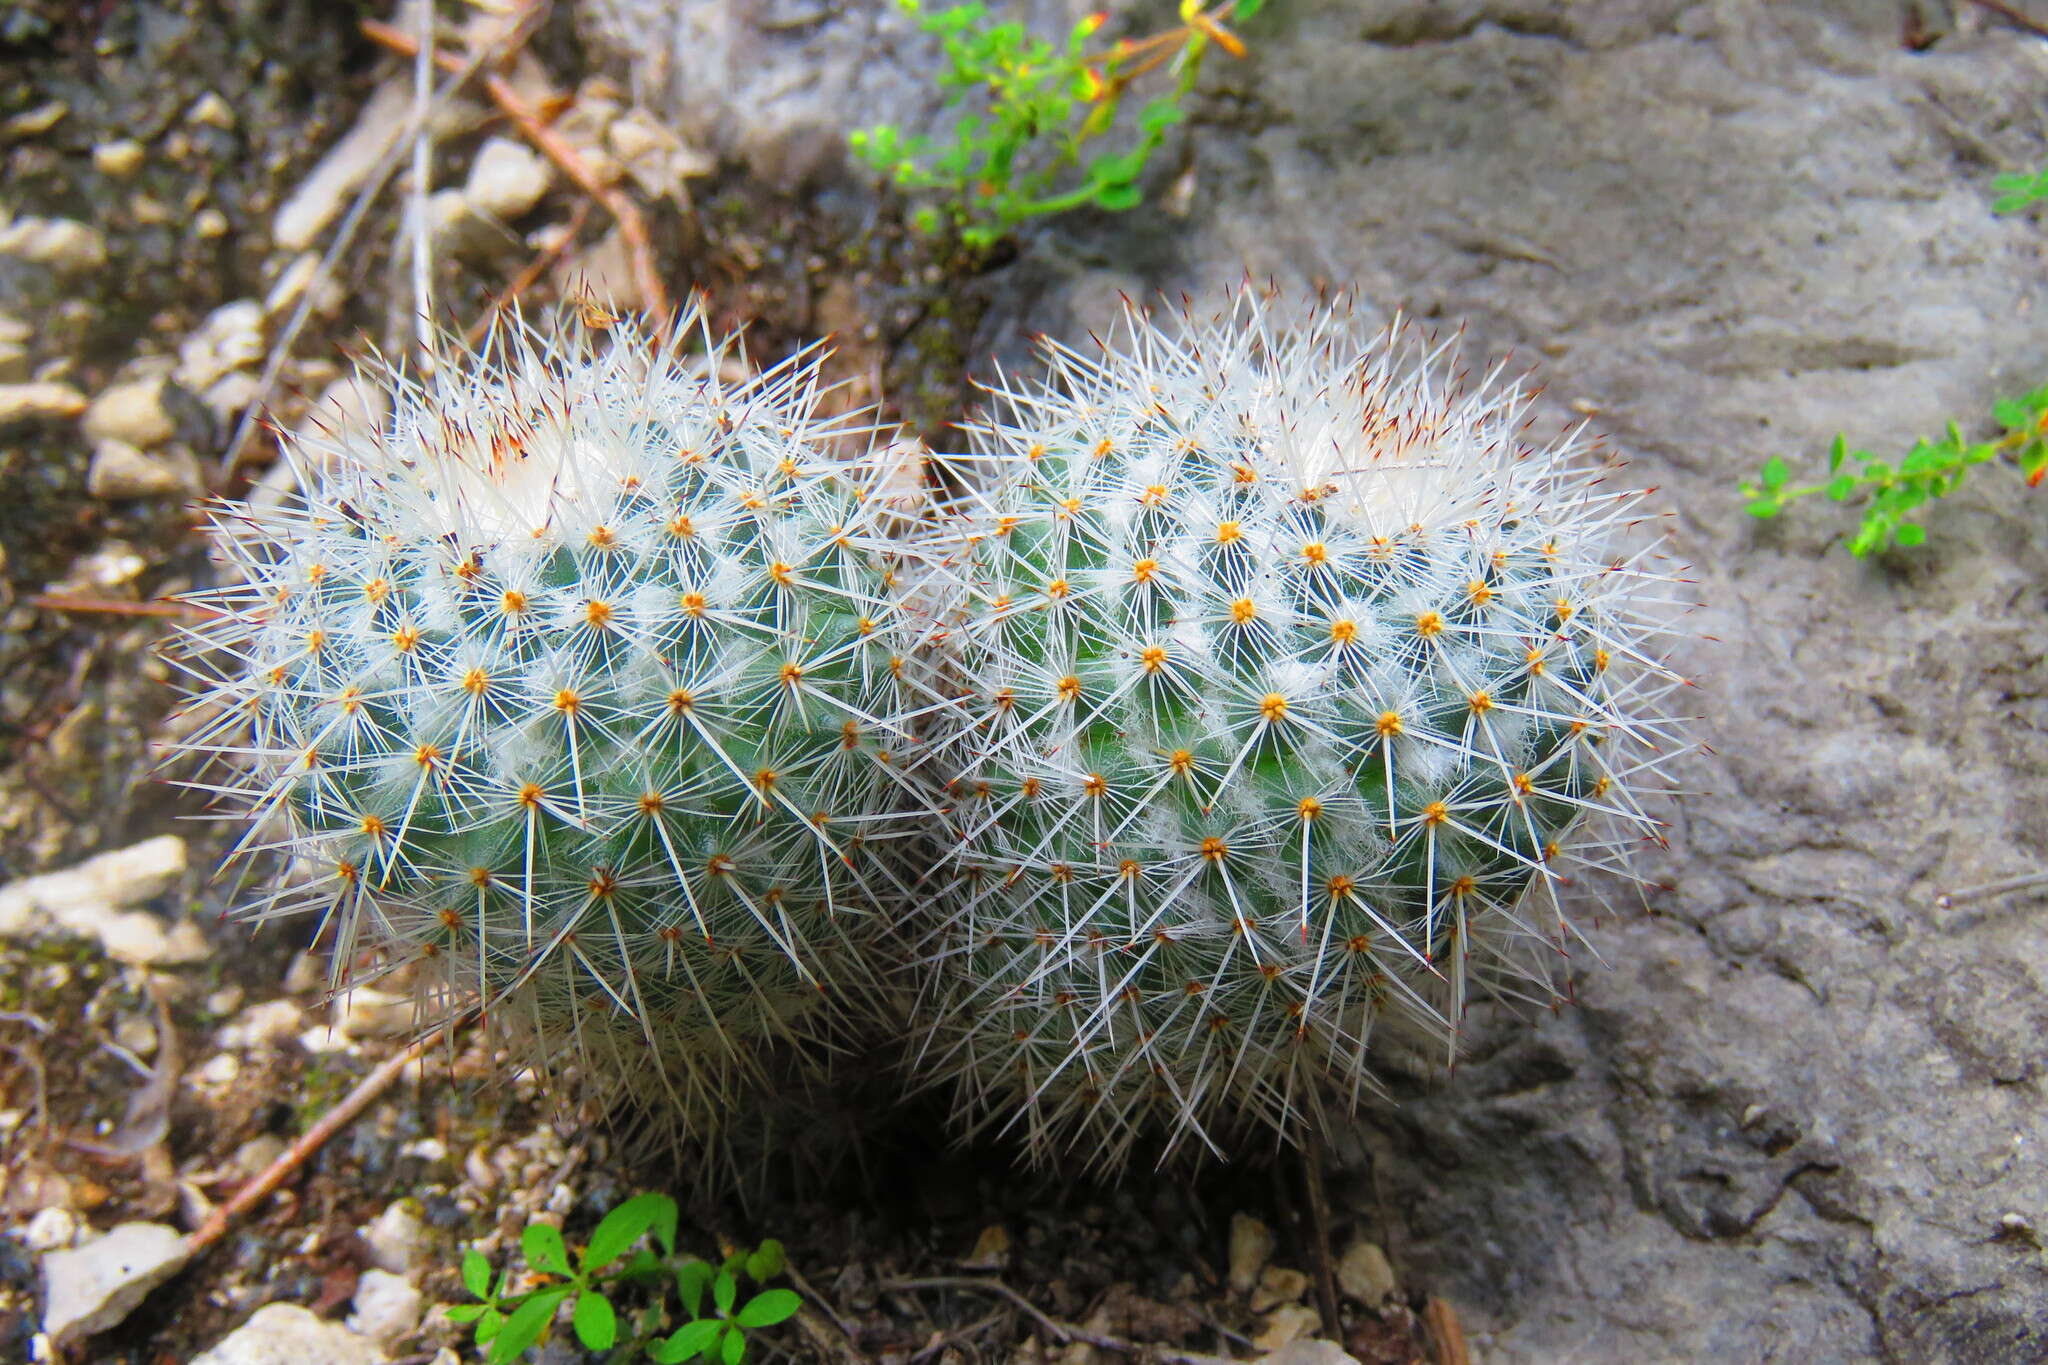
[(1292, 684)]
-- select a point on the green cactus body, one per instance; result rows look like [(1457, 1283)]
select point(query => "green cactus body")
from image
[(578, 686), (1292, 684)]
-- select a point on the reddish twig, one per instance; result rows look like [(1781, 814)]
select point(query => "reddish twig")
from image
[(2013, 17), (1446, 1333), (333, 1121), (535, 268), (109, 606), (558, 149)]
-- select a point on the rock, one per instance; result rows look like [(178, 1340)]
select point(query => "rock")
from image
[(1251, 1246), (95, 1285), (1681, 206), (657, 160), (387, 1307), (89, 900), (1277, 1285), (51, 1229), (230, 338), (119, 159), (262, 1026), (397, 1237), (133, 412), (28, 402), (256, 1156), (209, 223), (64, 246), (506, 180), (286, 1334), (991, 1249), (1285, 1324), (322, 195), (120, 471), (1314, 1351), (1365, 1275), (366, 1012), (14, 339), (211, 111)]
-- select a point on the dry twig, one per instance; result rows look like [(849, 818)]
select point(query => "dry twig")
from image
[(330, 1123), (110, 606), (1060, 1331), (558, 149)]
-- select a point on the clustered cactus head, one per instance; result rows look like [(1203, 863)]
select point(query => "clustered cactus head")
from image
[(1294, 682), (1248, 711), (580, 686)]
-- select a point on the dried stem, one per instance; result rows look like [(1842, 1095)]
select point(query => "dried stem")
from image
[(333, 1121), (558, 149), (1060, 1331)]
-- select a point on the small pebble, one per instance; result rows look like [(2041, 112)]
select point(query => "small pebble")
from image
[(220, 1069), (90, 1288), (287, 1334), (136, 1034), (262, 1026), (506, 180), (119, 471), (132, 411), (991, 1249), (1278, 1285), (119, 159), (209, 224), (59, 243), (26, 402), (397, 1237), (211, 110), (1364, 1274), (387, 1307), (256, 1156), (51, 1229), (1286, 1324), (1251, 1246)]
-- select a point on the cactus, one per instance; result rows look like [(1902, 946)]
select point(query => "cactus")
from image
[(1293, 686), (578, 687)]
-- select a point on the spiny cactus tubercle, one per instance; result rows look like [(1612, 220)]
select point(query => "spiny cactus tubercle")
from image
[(579, 684), (1293, 684)]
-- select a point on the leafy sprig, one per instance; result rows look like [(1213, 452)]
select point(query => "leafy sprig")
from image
[(1035, 114), (508, 1323), (1894, 494)]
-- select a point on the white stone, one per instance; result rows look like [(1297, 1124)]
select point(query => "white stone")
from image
[(262, 1026), (387, 1307), (506, 180), (1251, 1246), (221, 1069), (230, 338), (88, 900), (367, 1012), (1364, 1274), (120, 471), (323, 194), (51, 1229), (59, 243), (132, 411), (92, 1287), (397, 1237), (14, 338), (286, 1334), (21, 402)]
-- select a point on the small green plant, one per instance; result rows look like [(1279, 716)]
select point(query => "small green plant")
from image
[(1036, 113), (508, 1323), (1894, 494), (1931, 469)]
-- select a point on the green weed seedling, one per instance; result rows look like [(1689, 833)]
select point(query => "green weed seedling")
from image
[(1893, 495), (507, 1323), (1036, 117)]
